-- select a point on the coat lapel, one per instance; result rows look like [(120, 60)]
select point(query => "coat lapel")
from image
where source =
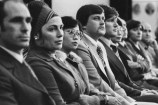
[(95, 55), (126, 52), (20, 71), (116, 61), (46, 56), (139, 51), (23, 73), (65, 66)]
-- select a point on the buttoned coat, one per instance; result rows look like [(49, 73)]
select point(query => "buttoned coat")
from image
[(96, 72), (62, 83)]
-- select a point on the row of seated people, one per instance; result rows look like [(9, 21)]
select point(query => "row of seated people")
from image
[(55, 75), (137, 59), (65, 77)]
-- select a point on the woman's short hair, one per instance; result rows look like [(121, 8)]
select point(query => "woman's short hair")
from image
[(70, 22)]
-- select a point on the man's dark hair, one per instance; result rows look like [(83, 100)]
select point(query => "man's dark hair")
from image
[(109, 11), (87, 10), (119, 22), (131, 24)]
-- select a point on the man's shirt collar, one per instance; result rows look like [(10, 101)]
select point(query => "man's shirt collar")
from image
[(91, 40), (107, 41), (15, 55)]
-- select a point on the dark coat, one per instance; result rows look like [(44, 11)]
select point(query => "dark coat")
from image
[(17, 84), (63, 83), (123, 78), (120, 72), (126, 54)]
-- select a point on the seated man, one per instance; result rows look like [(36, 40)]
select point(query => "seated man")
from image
[(99, 72), (117, 65), (150, 45), (18, 83)]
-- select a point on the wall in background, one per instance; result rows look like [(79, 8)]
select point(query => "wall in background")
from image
[(123, 7), (146, 10), (70, 7)]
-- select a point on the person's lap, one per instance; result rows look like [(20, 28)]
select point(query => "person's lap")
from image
[(145, 103), (147, 98)]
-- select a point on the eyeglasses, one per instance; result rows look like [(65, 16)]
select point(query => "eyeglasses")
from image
[(72, 33), (119, 28)]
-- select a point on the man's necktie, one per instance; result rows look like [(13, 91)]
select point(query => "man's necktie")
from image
[(108, 72), (114, 48), (100, 53)]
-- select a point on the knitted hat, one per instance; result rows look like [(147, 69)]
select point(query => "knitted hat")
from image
[(133, 24), (41, 13), (109, 11)]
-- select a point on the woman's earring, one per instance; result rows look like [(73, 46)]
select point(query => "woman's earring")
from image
[(36, 37)]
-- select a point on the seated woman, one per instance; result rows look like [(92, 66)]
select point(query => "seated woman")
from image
[(142, 69), (62, 80)]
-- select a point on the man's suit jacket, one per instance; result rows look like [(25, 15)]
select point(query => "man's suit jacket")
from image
[(17, 84), (61, 80), (133, 73), (126, 54), (152, 53), (97, 74), (123, 78), (145, 66), (120, 72)]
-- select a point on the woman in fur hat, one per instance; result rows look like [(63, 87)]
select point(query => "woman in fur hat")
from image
[(64, 84)]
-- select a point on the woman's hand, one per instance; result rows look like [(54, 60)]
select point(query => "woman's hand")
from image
[(133, 65)]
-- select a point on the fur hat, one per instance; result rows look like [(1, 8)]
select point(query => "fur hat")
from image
[(41, 13)]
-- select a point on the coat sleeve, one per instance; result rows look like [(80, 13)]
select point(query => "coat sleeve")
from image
[(46, 77), (145, 66), (6, 90), (129, 90)]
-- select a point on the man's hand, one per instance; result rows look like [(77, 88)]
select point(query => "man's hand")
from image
[(153, 44), (114, 101)]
